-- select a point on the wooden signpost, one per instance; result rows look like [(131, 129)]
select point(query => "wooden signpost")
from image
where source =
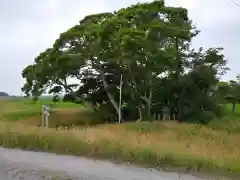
[(45, 116)]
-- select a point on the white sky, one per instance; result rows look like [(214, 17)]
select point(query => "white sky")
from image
[(28, 27)]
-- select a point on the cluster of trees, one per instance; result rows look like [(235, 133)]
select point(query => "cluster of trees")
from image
[(144, 50), (229, 92), (3, 94)]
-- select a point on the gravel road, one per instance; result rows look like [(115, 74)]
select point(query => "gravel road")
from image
[(27, 165)]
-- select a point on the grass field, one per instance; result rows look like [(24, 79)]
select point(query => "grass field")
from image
[(25, 111), (213, 148)]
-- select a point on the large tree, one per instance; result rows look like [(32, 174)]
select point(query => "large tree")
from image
[(147, 44)]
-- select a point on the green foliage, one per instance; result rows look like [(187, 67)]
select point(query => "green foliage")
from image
[(205, 117), (229, 92), (149, 44)]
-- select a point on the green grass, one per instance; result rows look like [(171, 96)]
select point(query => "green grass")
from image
[(230, 122), (19, 115), (229, 107), (27, 112), (19, 108), (21, 103)]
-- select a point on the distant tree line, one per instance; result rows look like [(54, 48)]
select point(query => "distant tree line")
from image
[(149, 46), (229, 92), (3, 94)]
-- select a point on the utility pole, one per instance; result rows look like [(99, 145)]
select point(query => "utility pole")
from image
[(120, 101)]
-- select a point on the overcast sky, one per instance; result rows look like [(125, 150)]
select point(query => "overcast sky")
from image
[(28, 27)]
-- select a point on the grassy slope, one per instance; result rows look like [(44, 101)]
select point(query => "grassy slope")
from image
[(26, 112), (230, 122), (161, 144), (17, 109)]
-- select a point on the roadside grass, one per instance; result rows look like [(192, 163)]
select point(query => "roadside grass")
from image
[(211, 148), (230, 124), (171, 146)]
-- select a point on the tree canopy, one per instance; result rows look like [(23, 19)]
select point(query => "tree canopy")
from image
[(149, 45)]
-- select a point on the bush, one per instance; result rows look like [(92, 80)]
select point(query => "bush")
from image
[(205, 117), (200, 117)]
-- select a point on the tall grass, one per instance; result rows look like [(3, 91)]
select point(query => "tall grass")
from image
[(170, 145), (210, 148)]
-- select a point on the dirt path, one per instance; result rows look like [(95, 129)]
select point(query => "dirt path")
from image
[(25, 165)]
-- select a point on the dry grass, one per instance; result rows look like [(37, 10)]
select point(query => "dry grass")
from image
[(183, 139), (62, 117), (158, 144), (193, 147)]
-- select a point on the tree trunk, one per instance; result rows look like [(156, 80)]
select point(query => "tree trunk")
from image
[(233, 107), (140, 114), (150, 100), (150, 104), (110, 96), (178, 69), (147, 100)]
